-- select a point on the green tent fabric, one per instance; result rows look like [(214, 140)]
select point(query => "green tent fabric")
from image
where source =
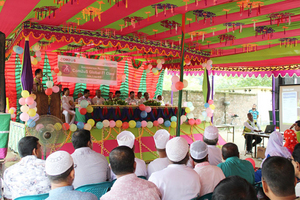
[(79, 87), (160, 83), (104, 91), (143, 83), (4, 131), (18, 72), (47, 70), (124, 86), (205, 85)]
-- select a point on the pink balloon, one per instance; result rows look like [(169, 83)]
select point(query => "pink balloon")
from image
[(24, 117), (210, 102), (191, 121), (29, 100), (112, 123), (13, 116), (173, 88), (208, 67), (209, 114), (33, 105), (148, 109), (38, 54), (198, 121), (144, 123), (13, 108), (39, 127), (175, 79), (251, 161), (55, 89), (208, 110), (22, 101), (160, 120)]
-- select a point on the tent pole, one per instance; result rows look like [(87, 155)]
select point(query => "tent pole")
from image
[(181, 76), (273, 100), (212, 93)]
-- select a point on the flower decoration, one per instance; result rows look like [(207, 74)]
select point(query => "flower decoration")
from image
[(170, 25)]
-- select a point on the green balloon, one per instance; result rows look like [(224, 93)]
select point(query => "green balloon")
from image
[(99, 125), (84, 103)]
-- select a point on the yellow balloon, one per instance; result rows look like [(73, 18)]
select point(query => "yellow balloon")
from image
[(187, 110), (91, 122), (24, 109), (119, 123), (31, 112), (58, 126), (87, 127), (33, 96), (89, 109), (34, 61), (73, 127), (25, 94), (212, 106), (173, 124), (132, 123), (35, 109), (11, 111)]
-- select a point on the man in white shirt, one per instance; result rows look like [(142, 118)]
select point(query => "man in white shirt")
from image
[(131, 100), (68, 106), (211, 137), (126, 138), (86, 96), (251, 125), (146, 98), (177, 181), (161, 138), (91, 167), (98, 100), (139, 98), (27, 177), (209, 175)]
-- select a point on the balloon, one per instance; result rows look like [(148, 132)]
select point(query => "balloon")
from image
[(89, 109), (138, 124), (84, 103), (99, 125), (142, 107), (35, 109), (175, 79), (53, 73), (185, 83), (162, 61), (150, 67), (155, 123), (39, 127), (189, 104), (55, 89), (65, 126), (91, 122), (198, 121), (251, 161), (56, 70), (179, 85), (24, 109), (212, 106), (29, 100), (173, 124), (160, 120), (154, 70), (158, 61), (119, 123), (19, 50), (132, 123), (159, 66), (57, 126), (183, 118), (22, 101), (36, 47), (33, 96), (31, 112), (204, 114), (192, 108), (48, 91), (31, 123), (147, 71), (15, 48), (82, 111), (24, 117), (190, 116), (34, 62), (11, 111), (73, 127), (25, 94), (204, 65), (207, 119), (167, 123), (173, 88), (33, 105), (143, 114), (125, 125), (208, 67), (87, 127), (187, 110), (209, 62), (206, 105), (59, 74), (105, 123), (191, 122), (173, 119), (13, 108), (148, 109), (208, 110), (49, 84), (38, 54), (209, 114), (149, 124), (144, 123), (112, 123), (38, 59), (210, 102)]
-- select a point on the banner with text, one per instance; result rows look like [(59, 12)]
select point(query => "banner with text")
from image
[(84, 70)]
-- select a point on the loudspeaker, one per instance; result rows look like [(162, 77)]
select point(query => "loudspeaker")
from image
[(2, 73)]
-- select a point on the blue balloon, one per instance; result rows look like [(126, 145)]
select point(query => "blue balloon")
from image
[(167, 123), (31, 123), (19, 50), (99, 125), (138, 124), (173, 119), (204, 114), (80, 125), (143, 114), (189, 104), (206, 105)]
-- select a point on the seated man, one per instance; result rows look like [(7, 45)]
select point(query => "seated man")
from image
[(126, 138), (297, 129), (211, 137), (117, 94), (278, 178), (146, 97), (251, 125), (131, 100), (139, 98), (161, 138), (98, 100), (91, 167), (128, 185), (68, 106), (234, 187), (209, 175), (28, 176), (86, 96), (233, 165), (60, 171), (110, 96), (177, 181), (78, 97), (160, 99)]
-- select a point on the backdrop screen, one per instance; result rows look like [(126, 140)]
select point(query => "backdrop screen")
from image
[(289, 105)]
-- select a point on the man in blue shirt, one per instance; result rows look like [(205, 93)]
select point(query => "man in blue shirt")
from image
[(254, 112)]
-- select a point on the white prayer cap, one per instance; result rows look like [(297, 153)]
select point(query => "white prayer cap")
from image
[(198, 150), (211, 133), (177, 148), (58, 163), (126, 138), (161, 138)]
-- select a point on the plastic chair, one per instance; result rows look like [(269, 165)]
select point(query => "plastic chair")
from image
[(98, 189), (206, 197), (142, 177), (34, 197)]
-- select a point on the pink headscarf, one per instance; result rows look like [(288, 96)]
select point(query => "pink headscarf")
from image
[(275, 146)]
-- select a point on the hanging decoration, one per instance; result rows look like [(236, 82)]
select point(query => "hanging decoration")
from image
[(249, 47), (254, 23), (234, 26), (136, 63), (226, 38), (226, 10), (43, 12), (280, 17), (284, 28), (164, 7), (288, 42), (264, 31), (170, 25), (91, 13), (132, 20), (205, 15)]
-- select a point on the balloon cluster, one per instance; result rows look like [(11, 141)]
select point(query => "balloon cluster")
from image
[(85, 107), (207, 65), (189, 107), (28, 107), (18, 50), (145, 110), (177, 84), (51, 88), (187, 61), (158, 67), (37, 57), (209, 109), (12, 112)]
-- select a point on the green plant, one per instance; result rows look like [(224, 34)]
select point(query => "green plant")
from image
[(115, 102), (152, 103)]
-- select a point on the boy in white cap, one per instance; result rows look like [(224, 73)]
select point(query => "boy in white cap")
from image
[(126, 138), (60, 171), (210, 137), (177, 181), (209, 175), (161, 138)]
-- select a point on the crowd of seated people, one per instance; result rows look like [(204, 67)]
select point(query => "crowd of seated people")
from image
[(182, 171)]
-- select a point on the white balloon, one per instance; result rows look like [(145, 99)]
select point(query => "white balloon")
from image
[(209, 62), (208, 119), (49, 84)]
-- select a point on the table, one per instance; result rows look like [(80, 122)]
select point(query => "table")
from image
[(228, 126), (260, 134)]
